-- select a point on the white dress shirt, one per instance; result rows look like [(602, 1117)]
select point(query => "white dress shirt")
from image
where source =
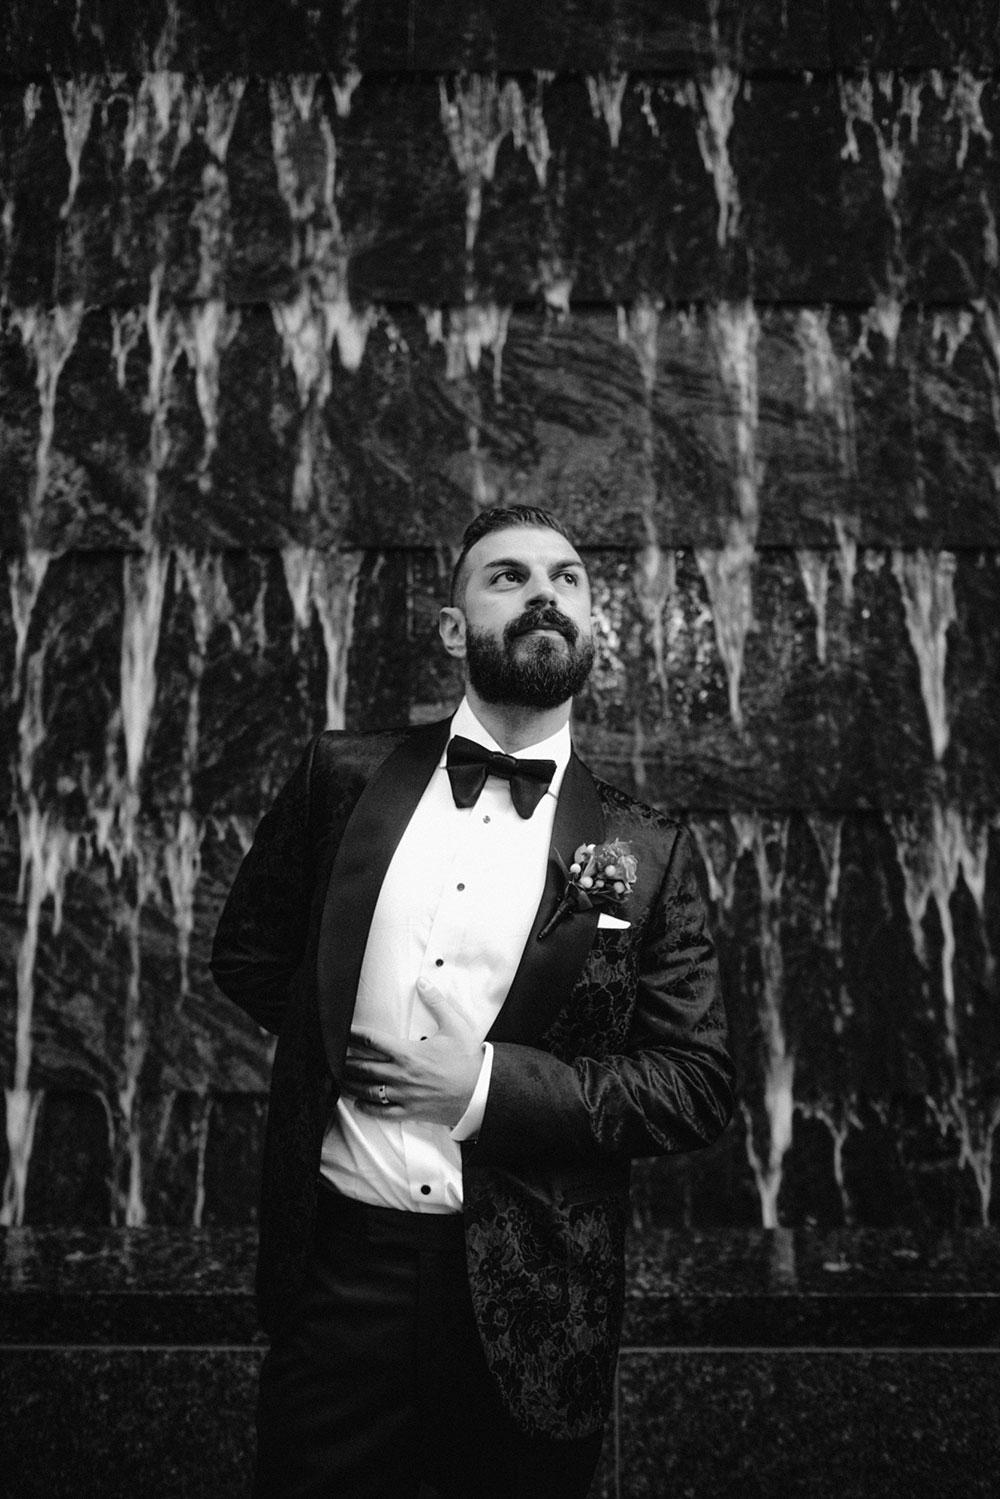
[(455, 908)]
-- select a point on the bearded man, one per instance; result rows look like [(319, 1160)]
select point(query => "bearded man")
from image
[(492, 985)]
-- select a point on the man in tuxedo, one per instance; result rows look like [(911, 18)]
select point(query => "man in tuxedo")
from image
[(492, 986)]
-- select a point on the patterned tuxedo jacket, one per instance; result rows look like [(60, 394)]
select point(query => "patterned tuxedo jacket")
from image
[(611, 1044)]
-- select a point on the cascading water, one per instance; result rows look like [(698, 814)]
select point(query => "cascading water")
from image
[(211, 606), (654, 572), (814, 568), (890, 107), (212, 215), (49, 851), (766, 839), (335, 587), (326, 582), (50, 337), (144, 580), (210, 326), (934, 849), (728, 575), (828, 384), (27, 574), (722, 843), (713, 101), (606, 92), (320, 313), (207, 333), (836, 1106), (166, 345), (76, 98), (829, 395), (160, 121), (926, 582), (728, 571), (735, 333), (477, 115)]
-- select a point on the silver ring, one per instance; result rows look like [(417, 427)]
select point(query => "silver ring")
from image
[(383, 1096)]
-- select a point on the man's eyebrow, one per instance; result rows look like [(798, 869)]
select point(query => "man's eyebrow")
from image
[(520, 562)]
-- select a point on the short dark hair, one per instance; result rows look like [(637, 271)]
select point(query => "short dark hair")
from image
[(501, 518)]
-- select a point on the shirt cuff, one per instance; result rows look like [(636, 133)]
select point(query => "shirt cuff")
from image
[(468, 1126)]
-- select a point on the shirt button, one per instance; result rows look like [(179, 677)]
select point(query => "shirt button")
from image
[(439, 962), (459, 887), (486, 819), (425, 1189)]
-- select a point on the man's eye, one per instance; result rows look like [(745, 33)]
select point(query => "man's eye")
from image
[(571, 578)]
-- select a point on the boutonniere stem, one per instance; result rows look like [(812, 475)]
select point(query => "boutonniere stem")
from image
[(601, 874)]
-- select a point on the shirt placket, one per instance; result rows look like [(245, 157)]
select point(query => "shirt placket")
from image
[(433, 1161)]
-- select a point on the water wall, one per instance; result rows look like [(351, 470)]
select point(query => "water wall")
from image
[(287, 294)]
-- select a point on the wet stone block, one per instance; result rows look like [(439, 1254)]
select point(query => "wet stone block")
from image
[(425, 188), (866, 33), (895, 1423), (809, 428), (114, 1417), (375, 34), (735, 1289), (241, 659), (70, 1179)]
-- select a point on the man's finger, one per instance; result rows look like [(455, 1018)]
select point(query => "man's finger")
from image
[(372, 1041), (451, 1020)]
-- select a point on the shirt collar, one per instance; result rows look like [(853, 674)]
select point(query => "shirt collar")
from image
[(557, 747)]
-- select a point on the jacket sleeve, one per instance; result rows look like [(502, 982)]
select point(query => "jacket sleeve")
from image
[(261, 937), (669, 1090)]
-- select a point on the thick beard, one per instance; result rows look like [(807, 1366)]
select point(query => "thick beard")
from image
[(539, 674)]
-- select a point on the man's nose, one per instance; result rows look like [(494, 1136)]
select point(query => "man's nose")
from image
[(542, 590)]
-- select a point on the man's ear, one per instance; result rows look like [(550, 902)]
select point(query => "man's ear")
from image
[(451, 627)]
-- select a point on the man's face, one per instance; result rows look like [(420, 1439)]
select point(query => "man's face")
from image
[(522, 622)]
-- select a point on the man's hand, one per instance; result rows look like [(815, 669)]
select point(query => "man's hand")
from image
[(432, 1079)]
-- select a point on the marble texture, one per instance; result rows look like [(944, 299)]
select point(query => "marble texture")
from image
[(287, 295), (435, 35), (111, 1422), (838, 711), (850, 872), (833, 1424), (851, 438), (586, 188), (132, 1351)]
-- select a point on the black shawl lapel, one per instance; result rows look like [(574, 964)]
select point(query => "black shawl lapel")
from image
[(548, 969), (369, 842)]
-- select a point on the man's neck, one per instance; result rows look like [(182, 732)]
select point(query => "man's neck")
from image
[(516, 729)]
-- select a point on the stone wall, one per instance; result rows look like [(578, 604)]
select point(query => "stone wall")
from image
[(287, 293)]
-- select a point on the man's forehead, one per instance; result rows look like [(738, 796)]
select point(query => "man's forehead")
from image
[(522, 543)]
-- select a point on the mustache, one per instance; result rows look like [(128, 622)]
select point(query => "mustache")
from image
[(546, 618)]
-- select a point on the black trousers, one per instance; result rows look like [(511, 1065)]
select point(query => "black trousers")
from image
[(376, 1386)]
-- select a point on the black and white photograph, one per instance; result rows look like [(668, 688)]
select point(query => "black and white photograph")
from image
[(500, 726)]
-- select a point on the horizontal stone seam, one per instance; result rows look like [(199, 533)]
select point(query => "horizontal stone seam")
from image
[(121, 1347), (783, 1299), (812, 1349)]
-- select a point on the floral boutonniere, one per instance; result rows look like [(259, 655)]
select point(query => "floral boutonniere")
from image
[(601, 874)]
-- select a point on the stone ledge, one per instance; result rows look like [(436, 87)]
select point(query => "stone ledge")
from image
[(755, 1364), (794, 1288), (726, 1289)]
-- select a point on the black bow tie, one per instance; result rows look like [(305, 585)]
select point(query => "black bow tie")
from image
[(469, 764)]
